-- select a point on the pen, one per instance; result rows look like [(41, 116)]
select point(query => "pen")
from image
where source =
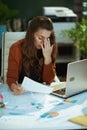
[(17, 83)]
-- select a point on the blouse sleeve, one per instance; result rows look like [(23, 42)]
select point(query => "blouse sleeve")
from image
[(14, 61), (49, 73)]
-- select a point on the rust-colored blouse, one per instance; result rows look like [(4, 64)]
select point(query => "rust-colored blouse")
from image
[(15, 65)]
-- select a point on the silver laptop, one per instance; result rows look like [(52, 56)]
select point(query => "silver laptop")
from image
[(76, 80)]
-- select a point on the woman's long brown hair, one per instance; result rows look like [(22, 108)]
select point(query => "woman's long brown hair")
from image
[(30, 55)]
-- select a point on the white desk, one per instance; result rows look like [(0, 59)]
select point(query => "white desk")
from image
[(19, 112)]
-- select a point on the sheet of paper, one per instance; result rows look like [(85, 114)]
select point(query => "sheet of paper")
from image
[(33, 86), (29, 121)]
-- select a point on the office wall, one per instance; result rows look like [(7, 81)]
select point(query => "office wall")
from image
[(31, 8)]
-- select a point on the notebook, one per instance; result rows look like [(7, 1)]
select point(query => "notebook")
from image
[(81, 120), (76, 80)]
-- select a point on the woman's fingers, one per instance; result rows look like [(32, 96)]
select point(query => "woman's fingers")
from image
[(17, 90)]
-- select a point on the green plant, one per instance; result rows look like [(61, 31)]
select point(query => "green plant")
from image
[(6, 13), (79, 36)]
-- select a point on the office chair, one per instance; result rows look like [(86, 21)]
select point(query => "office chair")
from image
[(8, 38)]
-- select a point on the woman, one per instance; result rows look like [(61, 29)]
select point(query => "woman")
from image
[(34, 56)]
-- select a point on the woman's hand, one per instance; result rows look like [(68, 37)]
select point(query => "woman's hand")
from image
[(47, 51), (17, 90)]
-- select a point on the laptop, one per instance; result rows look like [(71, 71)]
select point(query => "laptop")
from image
[(76, 80)]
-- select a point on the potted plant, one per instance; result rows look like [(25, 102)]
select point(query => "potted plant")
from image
[(6, 13), (79, 36)]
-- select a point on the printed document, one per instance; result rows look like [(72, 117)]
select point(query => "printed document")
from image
[(33, 86)]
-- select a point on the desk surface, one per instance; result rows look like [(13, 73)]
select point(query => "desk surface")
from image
[(23, 111)]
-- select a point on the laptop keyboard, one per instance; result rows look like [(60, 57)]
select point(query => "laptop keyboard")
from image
[(60, 91)]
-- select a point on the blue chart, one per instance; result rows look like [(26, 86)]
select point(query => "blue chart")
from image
[(49, 115), (26, 109)]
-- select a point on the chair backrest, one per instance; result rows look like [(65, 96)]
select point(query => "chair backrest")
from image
[(8, 38)]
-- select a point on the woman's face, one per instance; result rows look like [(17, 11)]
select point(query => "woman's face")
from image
[(40, 37)]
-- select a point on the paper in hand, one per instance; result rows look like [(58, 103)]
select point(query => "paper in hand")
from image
[(33, 86)]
